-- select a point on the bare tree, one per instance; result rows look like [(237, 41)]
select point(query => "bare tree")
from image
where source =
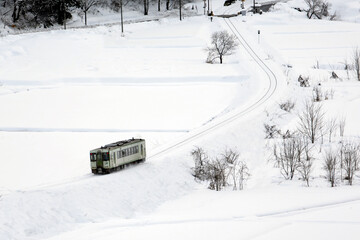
[(242, 173), (332, 126), (342, 123), (86, 5), (232, 159), (212, 170), (311, 121), (350, 160), (218, 170), (331, 163), (146, 7), (17, 6), (305, 165), (3, 12), (356, 63), (317, 8), (287, 156), (236, 168), (223, 44), (200, 159)]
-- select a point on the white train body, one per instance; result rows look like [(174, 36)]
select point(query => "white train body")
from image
[(116, 155)]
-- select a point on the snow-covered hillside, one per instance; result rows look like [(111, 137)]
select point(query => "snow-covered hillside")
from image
[(63, 93)]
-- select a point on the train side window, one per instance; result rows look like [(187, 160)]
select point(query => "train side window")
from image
[(142, 150)]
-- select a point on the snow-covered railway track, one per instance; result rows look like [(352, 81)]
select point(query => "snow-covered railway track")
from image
[(272, 86)]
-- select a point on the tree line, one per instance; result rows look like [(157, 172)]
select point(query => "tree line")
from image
[(46, 13)]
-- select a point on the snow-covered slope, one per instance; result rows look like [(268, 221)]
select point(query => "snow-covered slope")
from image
[(96, 87)]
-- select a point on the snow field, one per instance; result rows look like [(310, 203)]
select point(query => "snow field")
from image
[(116, 94), (159, 199), (48, 111)]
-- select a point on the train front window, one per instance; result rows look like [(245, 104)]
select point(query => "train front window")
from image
[(105, 156)]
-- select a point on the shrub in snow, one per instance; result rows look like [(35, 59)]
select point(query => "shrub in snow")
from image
[(317, 8), (271, 131), (356, 63), (318, 95), (222, 44), (217, 171), (329, 94), (200, 160), (334, 75), (304, 81), (287, 105), (347, 67)]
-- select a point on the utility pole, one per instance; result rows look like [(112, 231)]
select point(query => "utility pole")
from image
[(204, 7), (180, 8), (121, 13), (64, 14), (208, 11)]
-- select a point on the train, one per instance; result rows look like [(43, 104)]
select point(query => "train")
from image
[(117, 155)]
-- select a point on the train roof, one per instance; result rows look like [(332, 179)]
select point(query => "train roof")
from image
[(121, 143)]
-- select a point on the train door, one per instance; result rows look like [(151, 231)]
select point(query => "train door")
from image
[(99, 159)]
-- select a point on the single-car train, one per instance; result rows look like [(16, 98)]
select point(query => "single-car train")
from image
[(115, 156)]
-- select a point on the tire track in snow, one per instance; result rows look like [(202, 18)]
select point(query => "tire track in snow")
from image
[(307, 209)]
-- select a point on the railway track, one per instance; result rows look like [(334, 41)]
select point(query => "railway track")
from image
[(272, 86)]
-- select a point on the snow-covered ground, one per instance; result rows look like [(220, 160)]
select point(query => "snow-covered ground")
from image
[(65, 92)]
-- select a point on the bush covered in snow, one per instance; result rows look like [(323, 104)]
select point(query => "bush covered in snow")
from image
[(225, 170)]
